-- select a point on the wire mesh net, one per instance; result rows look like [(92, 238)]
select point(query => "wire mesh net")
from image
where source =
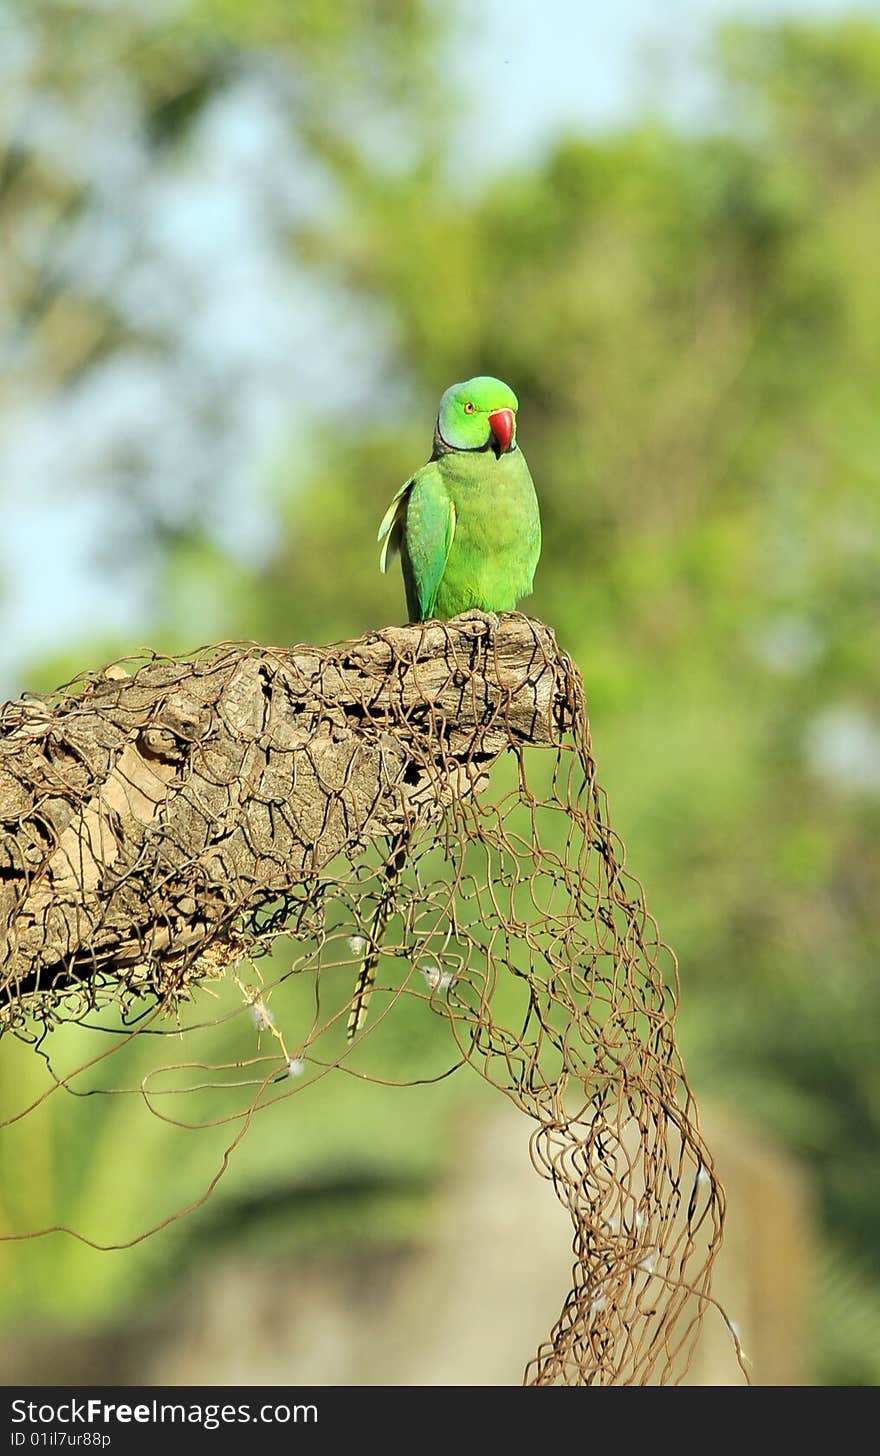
[(423, 802)]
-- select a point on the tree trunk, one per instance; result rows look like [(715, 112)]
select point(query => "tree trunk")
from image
[(146, 815)]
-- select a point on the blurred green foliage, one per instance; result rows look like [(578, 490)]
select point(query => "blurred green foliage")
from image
[(691, 325)]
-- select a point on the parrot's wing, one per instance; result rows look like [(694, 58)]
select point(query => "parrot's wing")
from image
[(391, 528), (430, 527), (424, 508)]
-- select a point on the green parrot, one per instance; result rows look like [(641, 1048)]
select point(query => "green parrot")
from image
[(467, 525), (468, 532)]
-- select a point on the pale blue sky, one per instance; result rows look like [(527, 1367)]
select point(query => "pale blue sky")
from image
[(538, 67)]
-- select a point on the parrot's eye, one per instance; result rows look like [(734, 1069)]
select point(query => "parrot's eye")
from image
[(469, 407)]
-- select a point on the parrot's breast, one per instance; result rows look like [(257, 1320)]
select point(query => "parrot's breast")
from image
[(497, 540)]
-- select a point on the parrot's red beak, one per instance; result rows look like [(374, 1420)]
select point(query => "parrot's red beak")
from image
[(501, 425)]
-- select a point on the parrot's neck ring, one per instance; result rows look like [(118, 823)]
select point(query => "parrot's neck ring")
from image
[(443, 447)]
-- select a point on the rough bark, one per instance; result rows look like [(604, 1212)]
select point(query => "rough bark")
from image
[(145, 815)]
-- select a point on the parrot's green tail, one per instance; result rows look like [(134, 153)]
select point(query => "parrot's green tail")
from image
[(363, 989)]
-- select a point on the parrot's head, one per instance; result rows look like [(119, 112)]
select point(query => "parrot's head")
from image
[(477, 415)]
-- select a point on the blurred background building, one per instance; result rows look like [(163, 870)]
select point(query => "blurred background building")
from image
[(244, 245)]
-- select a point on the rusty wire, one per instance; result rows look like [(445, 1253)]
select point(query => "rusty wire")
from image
[(228, 820)]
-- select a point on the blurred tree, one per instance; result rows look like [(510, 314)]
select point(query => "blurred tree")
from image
[(347, 78), (153, 162)]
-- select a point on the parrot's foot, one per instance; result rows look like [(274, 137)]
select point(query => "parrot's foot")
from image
[(488, 619)]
